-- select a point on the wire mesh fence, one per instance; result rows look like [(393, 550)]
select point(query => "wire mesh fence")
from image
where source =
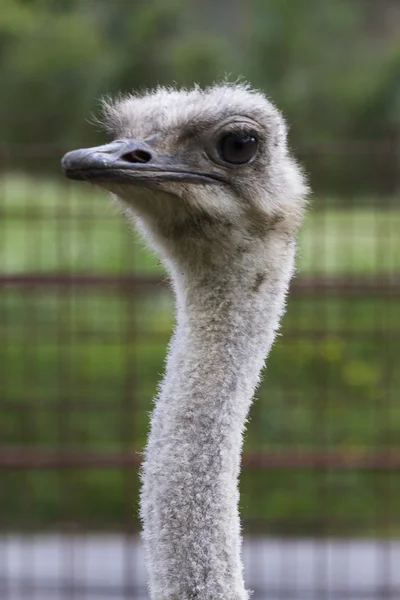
[(85, 317)]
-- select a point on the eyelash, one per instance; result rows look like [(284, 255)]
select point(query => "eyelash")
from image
[(239, 128)]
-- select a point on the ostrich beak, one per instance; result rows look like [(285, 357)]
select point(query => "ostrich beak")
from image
[(130, 161)]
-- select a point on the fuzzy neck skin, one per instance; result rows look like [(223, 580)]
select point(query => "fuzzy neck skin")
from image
[(227, 319)]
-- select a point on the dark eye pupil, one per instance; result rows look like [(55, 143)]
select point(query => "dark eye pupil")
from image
[(237, 148)]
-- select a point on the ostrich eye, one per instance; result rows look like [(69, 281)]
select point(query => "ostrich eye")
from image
[(237, 148)]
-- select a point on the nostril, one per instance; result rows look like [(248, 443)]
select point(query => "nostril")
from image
[(137, 156)]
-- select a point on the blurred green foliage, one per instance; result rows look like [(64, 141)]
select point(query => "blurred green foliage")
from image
[(326, 63)]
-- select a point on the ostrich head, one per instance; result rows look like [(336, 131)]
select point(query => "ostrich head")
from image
[(202, 171)]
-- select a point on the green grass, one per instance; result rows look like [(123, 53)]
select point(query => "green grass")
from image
[(79, 368), (49, 226), (353, 241)]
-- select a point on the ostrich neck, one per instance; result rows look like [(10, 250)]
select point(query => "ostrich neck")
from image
[(226, 323)]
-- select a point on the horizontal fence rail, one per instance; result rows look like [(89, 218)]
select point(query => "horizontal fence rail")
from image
[(358, 459), (381, 286)]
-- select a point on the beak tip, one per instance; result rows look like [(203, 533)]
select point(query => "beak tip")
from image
[(71, 160)]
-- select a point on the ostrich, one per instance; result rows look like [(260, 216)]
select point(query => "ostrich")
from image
[(207, 178)]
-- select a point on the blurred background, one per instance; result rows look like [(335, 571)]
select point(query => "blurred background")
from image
[(85, 315)]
